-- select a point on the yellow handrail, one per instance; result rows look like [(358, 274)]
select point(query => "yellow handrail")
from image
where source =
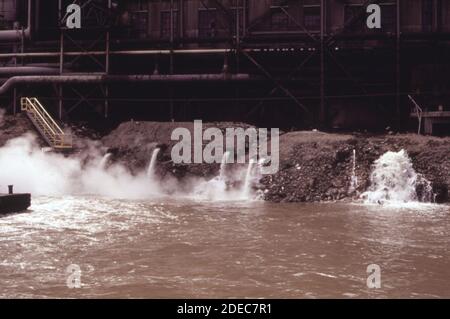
[(42, 118), (48, 115), (45, 123)]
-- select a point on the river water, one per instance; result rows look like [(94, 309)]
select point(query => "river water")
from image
[(168, 248)]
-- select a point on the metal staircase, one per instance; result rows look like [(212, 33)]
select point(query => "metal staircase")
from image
[(45, 124)]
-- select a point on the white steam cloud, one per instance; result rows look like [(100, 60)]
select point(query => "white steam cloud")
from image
[(35, 171), (39, 172)]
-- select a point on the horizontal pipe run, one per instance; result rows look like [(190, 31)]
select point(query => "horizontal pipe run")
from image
[(97, 78), (27, 70), (120, 52)]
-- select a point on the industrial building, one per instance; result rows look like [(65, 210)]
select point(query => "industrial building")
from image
[(274, 63)]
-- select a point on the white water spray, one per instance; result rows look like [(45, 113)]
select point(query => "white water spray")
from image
[(354, 178), (105, 160), (394, 179), (223, 166), (248, 183), (152, 164)]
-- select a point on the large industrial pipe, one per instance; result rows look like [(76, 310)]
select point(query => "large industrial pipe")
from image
[(16, 35), (121, 52), (94, 78), (28, 70)]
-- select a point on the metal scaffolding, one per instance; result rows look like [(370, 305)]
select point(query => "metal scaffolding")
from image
[(242, 48)]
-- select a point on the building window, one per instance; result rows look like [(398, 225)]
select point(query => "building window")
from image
[(139, 22), (138, 17), (354, 16), (207, 23), (279, 20), (311, 18), (427, 15), (166, 24)]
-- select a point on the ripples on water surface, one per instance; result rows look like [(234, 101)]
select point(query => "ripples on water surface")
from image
[(186, 249)]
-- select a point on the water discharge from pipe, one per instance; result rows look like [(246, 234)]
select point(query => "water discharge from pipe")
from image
[(223, 165), (152, 164), (354, 178), (105, 160), (394, 180)]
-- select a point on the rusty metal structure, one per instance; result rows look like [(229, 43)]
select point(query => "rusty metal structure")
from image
[(284, 63)]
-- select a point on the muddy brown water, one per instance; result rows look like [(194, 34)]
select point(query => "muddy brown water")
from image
[(186, 249)]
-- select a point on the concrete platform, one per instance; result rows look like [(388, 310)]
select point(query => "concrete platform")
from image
[(14, 203), (435, 123)]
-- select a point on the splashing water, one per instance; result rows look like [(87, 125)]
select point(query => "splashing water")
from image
[(354, 178), (105, 160), (152, 164), (394, 180), (237, 186)]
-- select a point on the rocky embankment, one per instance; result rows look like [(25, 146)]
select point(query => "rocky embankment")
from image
[(317, 166), (314, 166)]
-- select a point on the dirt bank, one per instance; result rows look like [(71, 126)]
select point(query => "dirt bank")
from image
[(314, 166), (15, 126), (317, 166)]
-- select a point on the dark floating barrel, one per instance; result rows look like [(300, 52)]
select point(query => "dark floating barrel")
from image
[(14, 203)]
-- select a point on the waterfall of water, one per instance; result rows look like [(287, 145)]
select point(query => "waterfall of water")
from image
[(105, 160), (223, 166), (394, 179), (354, 178), (248, 183), (152, 165)]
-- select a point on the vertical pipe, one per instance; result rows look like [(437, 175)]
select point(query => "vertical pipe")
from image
[(398, 69), (322, 64), (22, 47), (107, 52), (61, 60), (106, 101), (171, 23), (61, 52), (60, 109), (171, 59), (237, 24), (181, 18), (15, 102), (244, 18)]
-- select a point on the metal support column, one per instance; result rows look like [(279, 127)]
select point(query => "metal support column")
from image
[(171, 59), (15, 102), (323, 113), (398, 61)]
